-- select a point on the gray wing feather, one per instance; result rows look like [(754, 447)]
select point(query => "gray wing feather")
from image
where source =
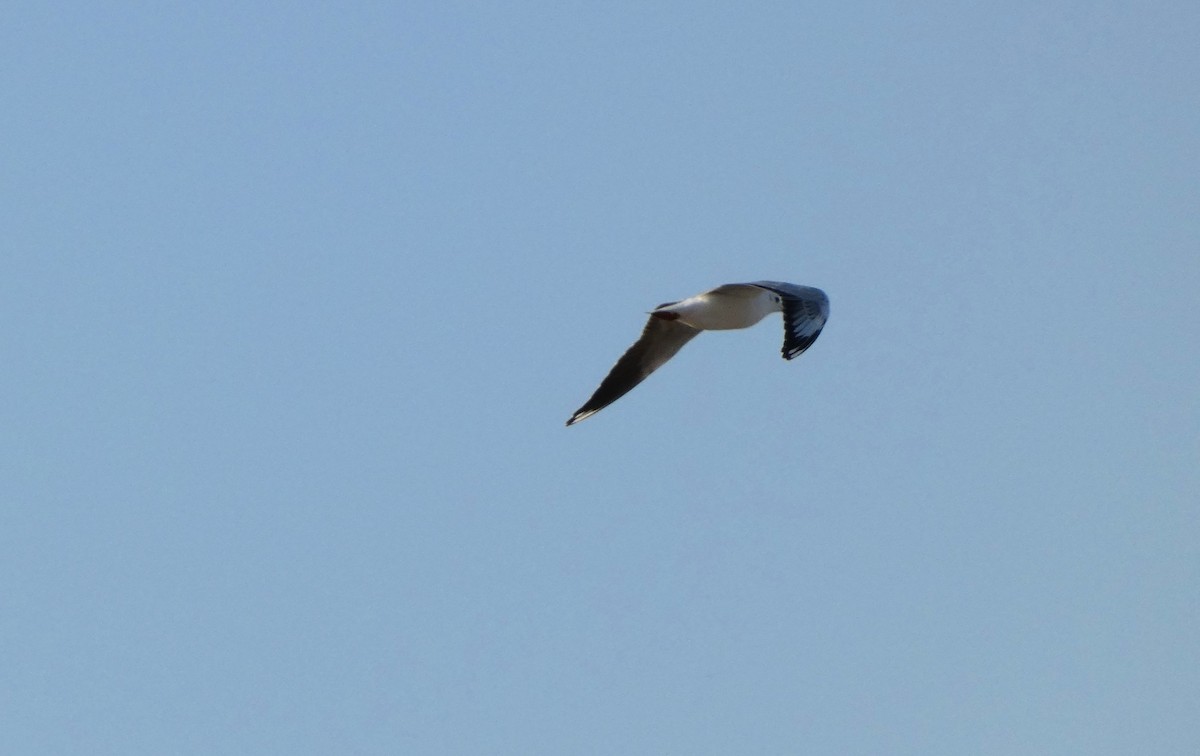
[(805, 310), (660, 341)]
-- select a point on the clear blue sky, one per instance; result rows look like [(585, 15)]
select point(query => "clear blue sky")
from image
[(296, 298)]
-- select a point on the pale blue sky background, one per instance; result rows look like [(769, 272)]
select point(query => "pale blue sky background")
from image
[(295, 300)]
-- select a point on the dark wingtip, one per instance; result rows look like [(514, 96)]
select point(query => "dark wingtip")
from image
[(579, 415)]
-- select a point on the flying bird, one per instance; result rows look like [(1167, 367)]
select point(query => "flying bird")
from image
[(726, 307)]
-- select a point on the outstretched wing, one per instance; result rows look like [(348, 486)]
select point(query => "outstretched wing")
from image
[(805, 310), (660, 340)]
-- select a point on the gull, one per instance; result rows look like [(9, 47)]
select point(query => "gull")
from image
[(727, 307)]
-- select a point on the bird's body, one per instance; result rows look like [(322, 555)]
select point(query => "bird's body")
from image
[(726, 307)]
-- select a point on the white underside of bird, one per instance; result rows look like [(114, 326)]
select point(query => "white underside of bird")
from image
[(727, 307)]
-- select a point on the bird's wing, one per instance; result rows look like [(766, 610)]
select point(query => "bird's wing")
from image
[(805, 310), (743, 289), (660, 340)]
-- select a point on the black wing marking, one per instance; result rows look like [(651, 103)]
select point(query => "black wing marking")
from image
[(805, 310), (661, 340)]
